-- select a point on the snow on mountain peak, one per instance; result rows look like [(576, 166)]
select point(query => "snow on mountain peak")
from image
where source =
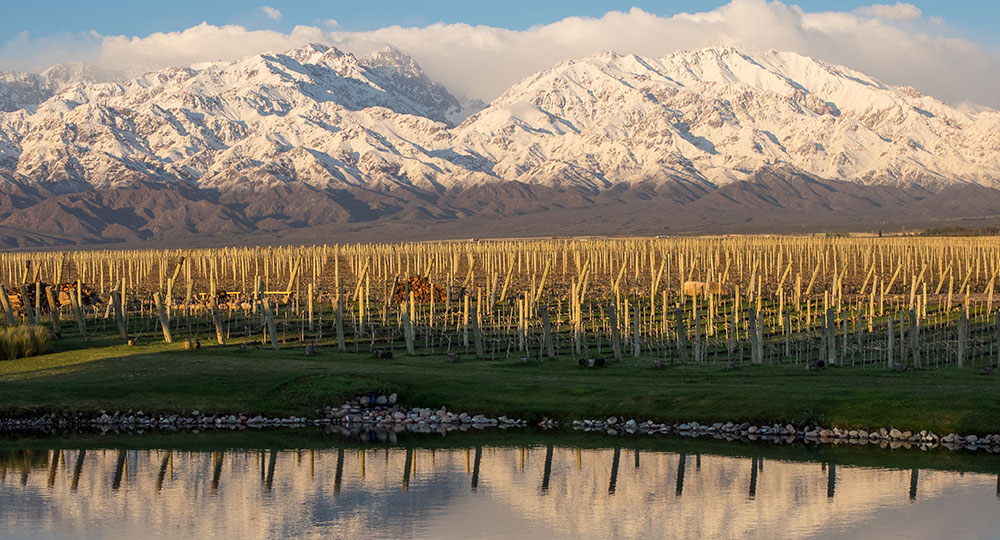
[(393, 58), (322, 116), (718, 114), (19, 90), (66, 74)]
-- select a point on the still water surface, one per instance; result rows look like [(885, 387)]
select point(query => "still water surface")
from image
[(479, 492)]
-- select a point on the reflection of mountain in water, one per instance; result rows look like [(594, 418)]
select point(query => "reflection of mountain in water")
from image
[(508, 492)]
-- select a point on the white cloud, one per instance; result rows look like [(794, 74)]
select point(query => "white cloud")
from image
[(481, 61), (898, 12), (331, 23), (272, 13), (198, 44)]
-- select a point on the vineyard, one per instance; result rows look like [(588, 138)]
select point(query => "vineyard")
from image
[(892, 303)]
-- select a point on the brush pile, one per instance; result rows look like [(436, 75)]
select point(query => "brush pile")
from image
[(421, 288), (224, 299), (88, 296)]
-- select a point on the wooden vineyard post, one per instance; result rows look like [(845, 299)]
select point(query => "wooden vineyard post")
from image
[(412, 306), (256, 293), (170, 286), (408, 330), (635, 330), (843, 337), (5, 300), (521, 323), (616, 338), (963, 335), (53, 312), (989, 296), (541, 283), (788, 334), (477, 334), (465, 318), (951, 284), (220, 336), (915, 338), (697, 329), (118, 308), (74, 300), (756, 334), (682, 347), (890, 339), (29, 313), (162, 315), (309, 305), (388, 301), (902, 337), (187, 299), (550, 349), (447, 301), (272, 332), (830, 327), (341, 346), (38, 302)]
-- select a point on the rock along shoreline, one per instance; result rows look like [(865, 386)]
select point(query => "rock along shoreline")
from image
[(382, 415)]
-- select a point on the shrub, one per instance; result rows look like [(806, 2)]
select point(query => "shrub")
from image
[(23, 341)]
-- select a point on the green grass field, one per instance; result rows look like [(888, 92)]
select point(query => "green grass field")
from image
[(156, 377)]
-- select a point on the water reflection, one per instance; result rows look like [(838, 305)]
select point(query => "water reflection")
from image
[(498, 492)]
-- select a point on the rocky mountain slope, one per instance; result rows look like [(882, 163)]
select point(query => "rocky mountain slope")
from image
[(21, 90), (717, 115), (316, 137)]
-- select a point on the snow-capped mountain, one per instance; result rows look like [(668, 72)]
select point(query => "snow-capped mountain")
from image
[(317, 118), (21, 90), (718, 115), (399, 74), (314, 115), (326, 118)]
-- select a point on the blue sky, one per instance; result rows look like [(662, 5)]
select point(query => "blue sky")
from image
[(974, 19)]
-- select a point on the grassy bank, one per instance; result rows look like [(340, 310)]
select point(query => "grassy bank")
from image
[(156, 377)]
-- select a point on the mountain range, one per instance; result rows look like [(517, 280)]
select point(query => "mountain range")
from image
[(317, 144)]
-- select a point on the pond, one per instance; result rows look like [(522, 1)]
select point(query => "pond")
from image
[(480, 487)]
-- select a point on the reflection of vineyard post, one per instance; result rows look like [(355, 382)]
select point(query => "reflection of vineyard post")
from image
[(119, 470), (163, 470), (475, 467), (615, 459), (216, 469), (547, 472), (680, 474), (78, 469), (831, 480), (271, 463), (53, 468), (339, 474)]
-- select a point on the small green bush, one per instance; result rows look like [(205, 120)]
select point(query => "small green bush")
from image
[(23, 341)]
